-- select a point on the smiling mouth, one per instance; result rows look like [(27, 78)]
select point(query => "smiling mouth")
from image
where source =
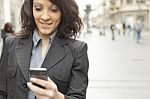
[(45, 25)]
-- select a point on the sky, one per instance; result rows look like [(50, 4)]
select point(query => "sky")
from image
[(82, 3)]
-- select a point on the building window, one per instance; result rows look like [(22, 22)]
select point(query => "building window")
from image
[(129, 1), (141, 18), (140, 1)]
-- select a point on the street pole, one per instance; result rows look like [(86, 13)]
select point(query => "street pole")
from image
[(104, 4), (87, 11)]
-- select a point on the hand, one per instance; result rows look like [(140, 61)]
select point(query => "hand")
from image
[(50, 91)]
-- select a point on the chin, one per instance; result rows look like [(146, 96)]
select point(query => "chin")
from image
[(46, 32)]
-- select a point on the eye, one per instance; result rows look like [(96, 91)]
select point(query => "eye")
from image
[(38, 9), (54, 8)]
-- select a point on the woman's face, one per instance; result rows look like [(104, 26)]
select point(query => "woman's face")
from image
[(47, 16)]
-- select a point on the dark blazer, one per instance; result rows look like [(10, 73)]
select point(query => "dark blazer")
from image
[(66, 61)]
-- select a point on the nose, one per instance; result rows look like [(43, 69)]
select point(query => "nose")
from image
[(45, 15)]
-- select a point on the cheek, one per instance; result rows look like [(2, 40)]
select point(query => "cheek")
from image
[(57, 19), (57, 22), (36, 15)]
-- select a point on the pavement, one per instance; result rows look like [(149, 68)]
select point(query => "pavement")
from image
[(120, 68)]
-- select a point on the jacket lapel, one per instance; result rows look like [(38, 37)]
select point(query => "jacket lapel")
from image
[(23, 56), (55, 54)]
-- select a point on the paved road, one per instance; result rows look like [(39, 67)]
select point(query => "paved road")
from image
[(119, 69)]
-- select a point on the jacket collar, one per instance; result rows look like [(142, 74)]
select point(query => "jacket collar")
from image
[(55, 54)]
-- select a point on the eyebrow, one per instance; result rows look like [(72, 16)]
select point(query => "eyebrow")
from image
[(35, 3)]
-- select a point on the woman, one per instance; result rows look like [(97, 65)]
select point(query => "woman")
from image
[(45, 41)]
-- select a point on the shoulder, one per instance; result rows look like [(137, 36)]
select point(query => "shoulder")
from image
[(76, 44), (77, 47), (12, 41), (9, 40)]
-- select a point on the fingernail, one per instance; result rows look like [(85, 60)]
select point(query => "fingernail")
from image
[(48, 78), (33, 79), (28, 83)]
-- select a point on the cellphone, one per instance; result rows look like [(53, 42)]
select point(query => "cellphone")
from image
[(40, 73)]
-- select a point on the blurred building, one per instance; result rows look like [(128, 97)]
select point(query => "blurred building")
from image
[(102, 15), (9, 12), (129, 11)]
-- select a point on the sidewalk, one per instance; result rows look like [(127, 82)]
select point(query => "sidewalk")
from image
[(119, 69)]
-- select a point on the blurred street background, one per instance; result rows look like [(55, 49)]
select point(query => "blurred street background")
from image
[(119, 69), (119, 61)]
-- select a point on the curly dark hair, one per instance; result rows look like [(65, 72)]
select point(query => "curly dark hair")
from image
[(70, 24)]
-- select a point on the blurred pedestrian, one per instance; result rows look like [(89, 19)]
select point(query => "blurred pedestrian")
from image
[(102, 31), (138, 29), (118, 27), (129, 29), (7, 31), (47, 39), (124, 28), (112, 27)]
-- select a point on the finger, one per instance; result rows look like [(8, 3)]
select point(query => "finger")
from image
[(35, 89), (49, 79), (46, 84), (52, 83)]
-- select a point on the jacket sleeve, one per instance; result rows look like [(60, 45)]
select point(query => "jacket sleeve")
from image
[(79, 74), (3, 71)]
